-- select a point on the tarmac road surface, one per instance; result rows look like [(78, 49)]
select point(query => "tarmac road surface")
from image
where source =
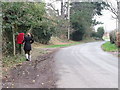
[(86, 66)]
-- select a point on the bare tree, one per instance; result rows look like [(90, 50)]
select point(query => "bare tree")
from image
[(116, 11), (112, 8)]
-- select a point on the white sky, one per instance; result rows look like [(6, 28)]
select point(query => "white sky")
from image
[(106, 18)]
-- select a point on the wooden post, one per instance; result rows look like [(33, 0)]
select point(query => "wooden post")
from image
[(20, 48), (14, 49)]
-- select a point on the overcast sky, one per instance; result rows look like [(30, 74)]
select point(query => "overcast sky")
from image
[(106, 18)]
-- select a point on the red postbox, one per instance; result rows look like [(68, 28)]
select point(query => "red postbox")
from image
[(20, 38)]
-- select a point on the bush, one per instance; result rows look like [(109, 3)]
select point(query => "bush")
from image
[(77, 35), (23, 17), (93, 34), (41, 36), (109, 47), (118, 39), (100, 32), (113, 37)]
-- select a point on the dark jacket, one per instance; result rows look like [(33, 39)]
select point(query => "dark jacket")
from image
[(27, 43)]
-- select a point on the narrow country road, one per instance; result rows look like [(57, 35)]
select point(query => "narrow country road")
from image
[(86, 66)]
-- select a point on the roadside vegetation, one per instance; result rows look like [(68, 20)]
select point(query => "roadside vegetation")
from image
[(110, 47), (81, 20), (45, 22), (62, 45), (114, 44), (12, 61), (23, 17), (59, 44)]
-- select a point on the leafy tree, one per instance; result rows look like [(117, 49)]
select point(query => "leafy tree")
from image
[(25, 17), (43, 32), (93, 34), (82, 18), (100, 32)]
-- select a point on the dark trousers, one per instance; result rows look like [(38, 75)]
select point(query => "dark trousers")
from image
[(27, 52)]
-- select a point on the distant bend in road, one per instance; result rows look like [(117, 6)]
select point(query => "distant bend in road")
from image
[(86, 66)]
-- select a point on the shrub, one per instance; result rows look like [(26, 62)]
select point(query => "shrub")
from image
[(109, 47), (100, 32), (118, 39), (41, 36), (113, 37)]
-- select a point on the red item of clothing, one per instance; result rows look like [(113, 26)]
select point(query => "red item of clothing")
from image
[(20, 38)]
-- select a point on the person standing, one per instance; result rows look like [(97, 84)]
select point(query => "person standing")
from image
[(28, 40)]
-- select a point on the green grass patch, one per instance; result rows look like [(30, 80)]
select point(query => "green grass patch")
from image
[(62, 45), (11, 61), (109, 47), (70, 43)]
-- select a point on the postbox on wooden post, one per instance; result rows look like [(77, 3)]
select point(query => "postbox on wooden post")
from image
[(20, 39)]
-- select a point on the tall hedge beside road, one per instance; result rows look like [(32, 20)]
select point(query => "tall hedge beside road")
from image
[(25, 17), (118, 39), (81, 19), (115, 38), (109, 47)]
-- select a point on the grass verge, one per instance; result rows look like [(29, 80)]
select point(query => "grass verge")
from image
[(11, 61), (62, 45), (69, 43), (109, 47)]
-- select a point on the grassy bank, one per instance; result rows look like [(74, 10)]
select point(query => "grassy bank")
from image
[(109, 47), (68, 43), (11, 61), (62, 45), (39, 49)]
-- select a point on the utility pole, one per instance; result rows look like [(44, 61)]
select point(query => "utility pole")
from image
[(117, 20), (118, 3), (67, 12), (68, 19)]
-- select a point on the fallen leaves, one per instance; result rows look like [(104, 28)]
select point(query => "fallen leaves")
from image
[(25, 74), (6, 69), (12, 85), (33, 81), (28, 72), (38, 75), (5, 77), (42, 83)]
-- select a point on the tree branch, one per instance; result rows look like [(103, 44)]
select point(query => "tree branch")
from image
[(111, 8)]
